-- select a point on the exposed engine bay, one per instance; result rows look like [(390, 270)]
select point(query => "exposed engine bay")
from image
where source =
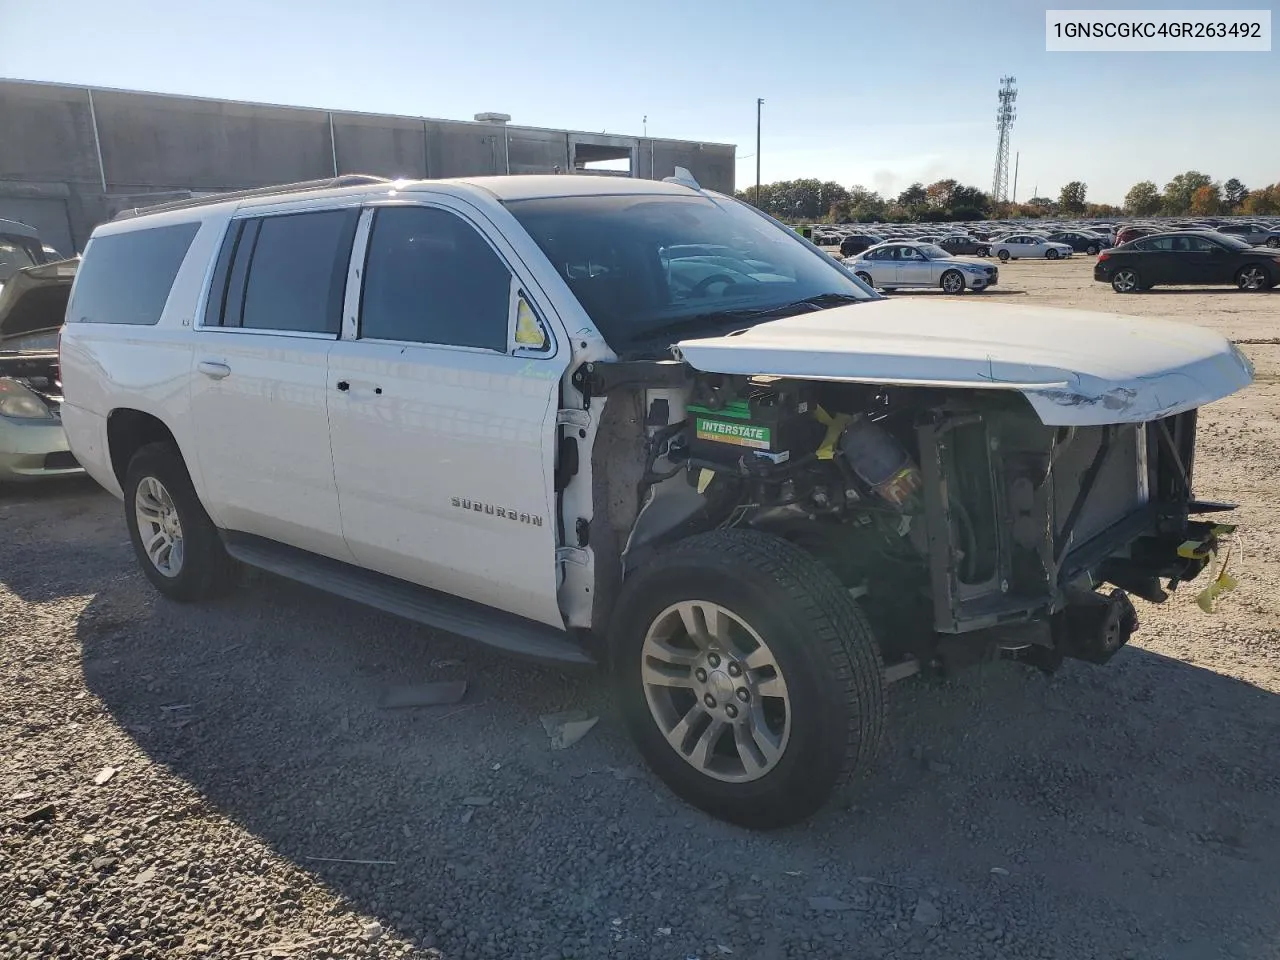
[(962, 523)]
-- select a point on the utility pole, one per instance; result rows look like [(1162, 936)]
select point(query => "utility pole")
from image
[(759, 107), (1016, 157), (1004, 124)]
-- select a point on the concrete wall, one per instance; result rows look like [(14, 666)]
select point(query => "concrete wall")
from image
[(53, 167)]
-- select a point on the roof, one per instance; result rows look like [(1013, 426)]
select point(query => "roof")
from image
[(535, 186)]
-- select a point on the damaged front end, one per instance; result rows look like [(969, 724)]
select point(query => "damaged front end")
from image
[(965, 519)]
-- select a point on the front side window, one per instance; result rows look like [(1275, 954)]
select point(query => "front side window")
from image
[(646, 266), (430, 277), (126, 277)]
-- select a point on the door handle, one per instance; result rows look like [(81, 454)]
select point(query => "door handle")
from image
[(211, 368)]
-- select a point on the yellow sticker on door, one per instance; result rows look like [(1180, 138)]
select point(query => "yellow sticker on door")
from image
[(528, 329)]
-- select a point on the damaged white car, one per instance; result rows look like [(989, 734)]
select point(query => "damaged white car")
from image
[(601, 420)]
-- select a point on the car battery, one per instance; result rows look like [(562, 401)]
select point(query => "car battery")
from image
[(771, 420)]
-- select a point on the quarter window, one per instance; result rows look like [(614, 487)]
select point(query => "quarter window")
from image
[(430, 277), (126, 277)]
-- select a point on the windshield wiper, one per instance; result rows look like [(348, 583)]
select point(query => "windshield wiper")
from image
[(717, 318)]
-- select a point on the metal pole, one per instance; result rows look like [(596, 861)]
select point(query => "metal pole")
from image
[(1014, 196), (333, 146), (759, 107), (506, 146), (97, 143)]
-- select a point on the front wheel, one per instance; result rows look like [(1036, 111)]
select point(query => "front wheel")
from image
[(747, 676), (176, 543), (1004, 256), (1273, 241), (1253, 277), (1125, 281), (1051, 254), (1091, 250), (984, 251), (864, 277), (952, 282)]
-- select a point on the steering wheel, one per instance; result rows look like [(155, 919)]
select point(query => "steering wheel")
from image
[(701, 287)]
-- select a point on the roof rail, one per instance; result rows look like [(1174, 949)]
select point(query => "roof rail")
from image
[(328, 183)]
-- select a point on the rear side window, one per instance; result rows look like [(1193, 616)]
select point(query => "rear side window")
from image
[(285, 272), (126, 277), (430, 277)]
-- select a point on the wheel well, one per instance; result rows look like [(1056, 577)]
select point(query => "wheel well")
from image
[(130, 430)]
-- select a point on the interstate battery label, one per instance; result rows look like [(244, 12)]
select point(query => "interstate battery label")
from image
[(739, 434)]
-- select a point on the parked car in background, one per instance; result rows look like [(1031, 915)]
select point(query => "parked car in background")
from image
[(893, 265), (33, 303), (962, 246), (1080, 241), (20, 247), (1133, 232), (1029, 246), (1254, 234), (857, 242), (1190, 257)]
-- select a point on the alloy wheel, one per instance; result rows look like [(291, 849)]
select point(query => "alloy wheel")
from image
[(159, 527), (1125, 281), (1252, 278), (952, 283), (715, 691)]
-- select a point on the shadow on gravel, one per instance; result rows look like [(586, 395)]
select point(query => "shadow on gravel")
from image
[(1132, 807), (54, 535)]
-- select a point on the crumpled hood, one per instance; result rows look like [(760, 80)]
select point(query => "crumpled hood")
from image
[(1075, 367)]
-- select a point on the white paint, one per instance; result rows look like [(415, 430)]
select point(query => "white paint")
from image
[(1074, 367)]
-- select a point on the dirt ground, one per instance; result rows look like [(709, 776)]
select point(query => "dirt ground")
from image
[(194, 781)]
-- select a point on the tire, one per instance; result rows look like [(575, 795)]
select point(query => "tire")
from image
[(983, 252), (1051, 254), (1273, 241), (1091, 250), (1003, 255), (203, 569), (1253, 277), (830, 716), (865, 278), (1126, 280), (952, 282)]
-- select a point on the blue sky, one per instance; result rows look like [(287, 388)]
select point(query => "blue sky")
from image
[(858, 92)]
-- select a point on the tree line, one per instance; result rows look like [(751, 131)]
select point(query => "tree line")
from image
[(814, 200)]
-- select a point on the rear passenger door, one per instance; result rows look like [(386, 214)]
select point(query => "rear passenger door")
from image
[(260, 383), (443, 396)]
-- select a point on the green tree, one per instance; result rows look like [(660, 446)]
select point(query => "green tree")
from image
[(1143, 199), (1262, 202), (1071, 197), (969, 203), (938, 195), (914, 196), (1233, 193), (1179, 191)]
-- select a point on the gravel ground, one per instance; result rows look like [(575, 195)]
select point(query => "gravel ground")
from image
[(186, 781)]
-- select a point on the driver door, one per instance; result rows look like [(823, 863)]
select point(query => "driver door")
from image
[(443, 395)]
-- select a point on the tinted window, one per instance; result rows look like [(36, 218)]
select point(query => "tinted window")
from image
[(294, 270), (431, 277), (126, 277)]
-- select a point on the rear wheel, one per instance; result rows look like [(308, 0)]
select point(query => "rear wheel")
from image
[(747, 676), (176, 543), (1051, 254), (1125, 280), (1253, 277), (952, 282), (1004, 256)]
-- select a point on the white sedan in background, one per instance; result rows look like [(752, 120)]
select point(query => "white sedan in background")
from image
[(897, 264), (1030, 246)]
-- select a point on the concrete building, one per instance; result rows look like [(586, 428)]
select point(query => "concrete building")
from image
[(71, 157)]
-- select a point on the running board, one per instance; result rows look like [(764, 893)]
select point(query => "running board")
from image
[(504, 631)]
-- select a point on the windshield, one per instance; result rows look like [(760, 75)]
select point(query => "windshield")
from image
[(932, 251), (645, 265), (15, 254), (1233, 243)]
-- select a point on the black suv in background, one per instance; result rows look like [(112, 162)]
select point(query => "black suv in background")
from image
[(856, 243), (962, 246)]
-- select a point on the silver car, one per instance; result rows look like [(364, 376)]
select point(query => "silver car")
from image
[(32, 442), (891, 265)]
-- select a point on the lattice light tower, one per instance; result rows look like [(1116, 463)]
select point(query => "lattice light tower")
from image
[(1004, 122)]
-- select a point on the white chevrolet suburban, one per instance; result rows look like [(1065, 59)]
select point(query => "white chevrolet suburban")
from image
[(599, 420)]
